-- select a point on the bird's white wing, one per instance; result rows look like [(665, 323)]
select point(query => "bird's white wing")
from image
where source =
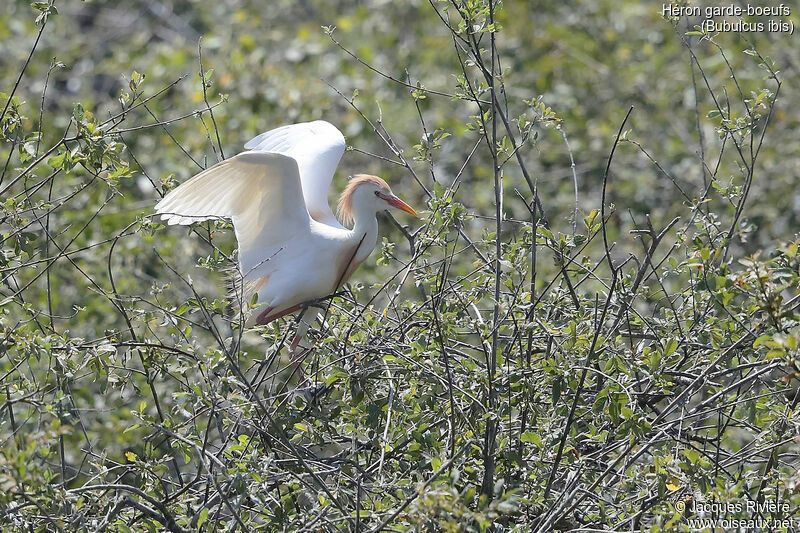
[(317, 147), (259, 191)]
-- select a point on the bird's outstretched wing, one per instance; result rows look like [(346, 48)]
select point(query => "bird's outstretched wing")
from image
[(259, 191), (317, 147)]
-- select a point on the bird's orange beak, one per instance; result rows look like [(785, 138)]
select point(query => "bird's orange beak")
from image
[(394, 201)]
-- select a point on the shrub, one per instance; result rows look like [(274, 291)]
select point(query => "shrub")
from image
[(519, 359)]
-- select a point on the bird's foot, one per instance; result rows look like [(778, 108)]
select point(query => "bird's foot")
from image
[(311, 391), (297, 370)]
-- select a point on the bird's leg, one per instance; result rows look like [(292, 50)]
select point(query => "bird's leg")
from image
[(295, 342), (296, 357), (266, 317), (296, 361)]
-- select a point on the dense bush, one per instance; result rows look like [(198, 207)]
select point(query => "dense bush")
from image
[(594, 322)]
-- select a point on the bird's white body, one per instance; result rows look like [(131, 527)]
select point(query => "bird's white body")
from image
[(292, 249), (322, 259)]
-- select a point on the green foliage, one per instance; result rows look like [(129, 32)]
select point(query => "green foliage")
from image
[(606, 344)]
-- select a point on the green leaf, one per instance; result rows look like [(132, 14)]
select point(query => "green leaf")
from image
[(670, 347), (692, 455), (202, 518), (78, 112), (531, 437), (57, 161), (761, 340)]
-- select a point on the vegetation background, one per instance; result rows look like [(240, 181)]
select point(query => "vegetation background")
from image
[(593, 325)]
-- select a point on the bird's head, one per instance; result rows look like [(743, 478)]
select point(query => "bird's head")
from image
[(368, 194)]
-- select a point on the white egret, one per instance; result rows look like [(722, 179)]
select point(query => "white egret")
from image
[(292, 249)]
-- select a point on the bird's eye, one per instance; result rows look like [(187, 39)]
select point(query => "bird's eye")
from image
[(377, 193)]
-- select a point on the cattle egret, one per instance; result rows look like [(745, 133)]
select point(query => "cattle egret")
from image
[(292, 249)]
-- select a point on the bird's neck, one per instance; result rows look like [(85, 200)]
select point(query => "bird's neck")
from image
[(365, 232)]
